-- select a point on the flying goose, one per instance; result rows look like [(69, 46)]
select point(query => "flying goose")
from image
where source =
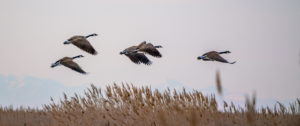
[(68, 62), (149, 48), (214, 56), (82, 43), (134, 56)]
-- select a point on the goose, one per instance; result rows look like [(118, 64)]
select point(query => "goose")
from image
[(82, 43), (135, 57), (150, 49), (68, 62), (214, 56)]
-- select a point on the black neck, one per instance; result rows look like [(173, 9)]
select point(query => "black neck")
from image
[(77, 56), (223, 52), (90, 35)]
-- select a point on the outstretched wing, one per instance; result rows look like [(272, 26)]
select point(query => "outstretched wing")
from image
[(138, 58), (216, 57), (141, 44), (133, 58), (84, 44), (150, 49), (74, 66), (142, 58)]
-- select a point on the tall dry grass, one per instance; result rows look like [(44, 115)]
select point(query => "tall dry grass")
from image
[(128, 105)]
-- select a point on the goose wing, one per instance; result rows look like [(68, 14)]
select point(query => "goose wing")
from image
[(142, 58), (85, 45), (215, 56), (150, 49), (130, 49), (138, 58), (141, 44), (74, 66), (133, 58)]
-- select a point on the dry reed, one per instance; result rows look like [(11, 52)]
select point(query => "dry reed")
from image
[(218, 82), (128, 105)]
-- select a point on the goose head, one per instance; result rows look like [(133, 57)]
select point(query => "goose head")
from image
[(55, 64), (94, 34), (158, 46), (227, 52), (79, 56), (123, 52), (202, 57), (67, 42)]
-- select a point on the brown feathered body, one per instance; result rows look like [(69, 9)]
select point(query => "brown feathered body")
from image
[(82, 43), (68, 62), (215, 56), (149, 49), (136, 57)]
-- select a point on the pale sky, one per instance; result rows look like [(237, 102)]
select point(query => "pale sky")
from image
[(263, 36)]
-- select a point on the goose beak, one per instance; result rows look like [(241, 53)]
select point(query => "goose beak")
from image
[(67, 42)]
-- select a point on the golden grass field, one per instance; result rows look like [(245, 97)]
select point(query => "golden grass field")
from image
[(128, 105)]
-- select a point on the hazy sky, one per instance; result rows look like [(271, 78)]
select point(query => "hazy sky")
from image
[(263, 36)]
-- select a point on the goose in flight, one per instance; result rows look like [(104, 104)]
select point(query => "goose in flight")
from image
[(135, 57), (149, 48), (82, 43), (68, 62), (214, 56)]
